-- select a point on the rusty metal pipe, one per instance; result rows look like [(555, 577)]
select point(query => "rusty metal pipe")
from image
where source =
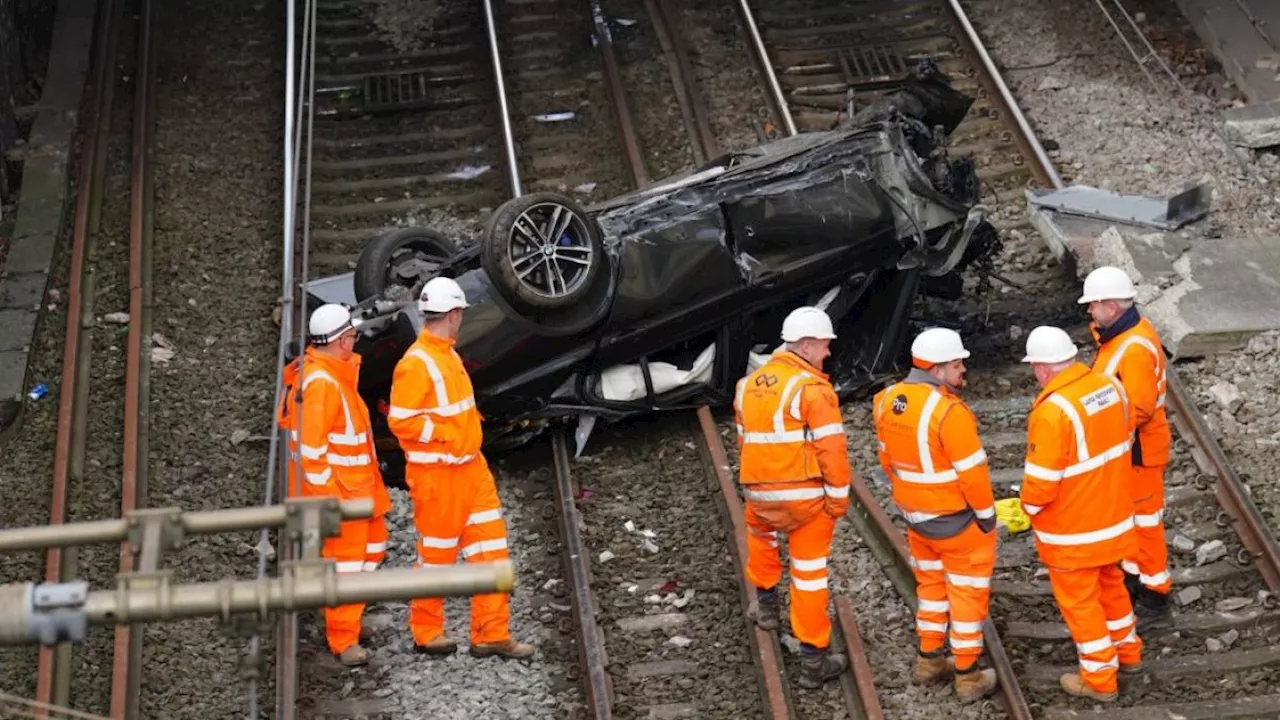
[(508, 139)]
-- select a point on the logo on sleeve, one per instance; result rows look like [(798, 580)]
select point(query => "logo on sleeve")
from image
[(899, 404)]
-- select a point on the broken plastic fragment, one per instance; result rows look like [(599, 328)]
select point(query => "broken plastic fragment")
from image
[(556, 116), (583, 493), (629, 526), (469, 172), (680, 641), (585, 188), (606, 556)]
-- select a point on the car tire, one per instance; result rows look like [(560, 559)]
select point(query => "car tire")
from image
[(388, 255), (536, 273)]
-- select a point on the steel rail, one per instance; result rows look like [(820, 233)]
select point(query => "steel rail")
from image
[(702, 140), (508, 138), (766, 66), (126, 672), (591, 651), (775, 691), (613, 87), (53, 672), (863, 703)]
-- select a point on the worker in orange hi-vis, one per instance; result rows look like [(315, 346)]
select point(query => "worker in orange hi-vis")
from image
[(455, 502), (331, 435), (1076, 491), (1129, 350), (795, 466), (929, 447)]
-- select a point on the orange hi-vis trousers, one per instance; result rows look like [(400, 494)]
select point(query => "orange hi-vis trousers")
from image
[(808, 545), (1151, 564), (359, 546), (1096, 607), (456, 511), (953, 585)]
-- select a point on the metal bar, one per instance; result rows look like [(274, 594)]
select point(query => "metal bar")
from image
[(614, 87), (204, 522), (126, 661), (1229, 489), (52, 674), (866, 703), (766, 66), (513, 171), (774, 688), (591, 650), (1027, 140), (702, 140)]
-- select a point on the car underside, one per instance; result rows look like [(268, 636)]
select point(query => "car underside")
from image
[(663, 298)]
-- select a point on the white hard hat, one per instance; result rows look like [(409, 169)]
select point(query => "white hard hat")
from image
[(1107, 283), (806, 322), (328, 322), (1048, 344), (440, 295), (938, 345)]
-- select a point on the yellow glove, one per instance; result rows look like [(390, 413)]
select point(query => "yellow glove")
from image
[(1009, 514)]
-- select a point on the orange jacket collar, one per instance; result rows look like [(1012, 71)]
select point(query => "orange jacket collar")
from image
[(346, 372), (426, 337), (789, 358), (1071, 374)]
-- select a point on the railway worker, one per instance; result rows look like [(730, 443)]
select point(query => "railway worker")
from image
[(1075, 489), (1129, 350), (929, 446), (455, 502), (337, 458), (795, 466)]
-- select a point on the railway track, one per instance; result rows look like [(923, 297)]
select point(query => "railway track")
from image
[(1217, 656)]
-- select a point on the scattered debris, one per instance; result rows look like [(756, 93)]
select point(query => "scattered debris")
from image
[(162, 341), (680, 641), (606, 556), (1051, 83), (118, 318), (38, 391), (1188, 595), (1229, 638), (1183, 544), (551, 583), (239, 436), (161, 355), (683, 600), (556, 116), (1232, 604), (652, 599), (1157, 212), (1227, 395), (1214, 645), (585, 188), (1210, 551), (469, 172)]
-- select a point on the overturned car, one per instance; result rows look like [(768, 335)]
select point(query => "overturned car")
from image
[(663, 298)]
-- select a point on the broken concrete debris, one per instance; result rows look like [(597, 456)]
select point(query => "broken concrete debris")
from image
[(1256, 125), (1210, 551), (1183, 544), (1232, 604), (1188, 595), (1227, 395)]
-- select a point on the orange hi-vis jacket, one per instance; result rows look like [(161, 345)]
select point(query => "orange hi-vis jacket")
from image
[(929, 446), (433, 407), (1076, 484), (332, 434), (791, 438), (1135, 357)]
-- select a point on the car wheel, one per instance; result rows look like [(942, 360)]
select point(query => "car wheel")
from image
[(543, 252), (401, 257)]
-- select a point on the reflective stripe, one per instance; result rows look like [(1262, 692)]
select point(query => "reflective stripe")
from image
[(922, 437), (1095, 666), (312, 452), (838, 492), (1041, 473), (1114, 364), (926, 564), (403, 413), (778, 421), (315, 375), (352, 566), (437, 378), (933, 626), (969, 580), (1082, 446), (927, 478), (484, 517), (428, 429), (784, 495), (1122, 623), (318, 478), (918, 517), (774, 438), (1129, 567), (1094, 646), (966, 627), (1160, 400), (1159, 578), (1031, 509), (958, 643), (934, 605), (827, 430), (369, 566), (348, 439), (1132, 637), (375, 547), (1152, 520), (419, 563), (484, 546), (348, 461), (441, 543), (808, 565), (433, 458), (809, 585), (972, 461), (1085, 538), (985, 513), (1114, 453)]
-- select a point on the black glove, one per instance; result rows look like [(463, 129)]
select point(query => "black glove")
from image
[(988, 524)]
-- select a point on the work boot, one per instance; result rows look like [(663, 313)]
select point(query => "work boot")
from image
[(818, 666), (439, 645), (1133, 584), (354, 656), (767, 615), (1152, 609), (933, 667), (1075, 685), (974, 684), (509, 649), (1131, 668)]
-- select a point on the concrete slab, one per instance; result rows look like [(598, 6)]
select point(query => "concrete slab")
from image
[(1204, 295), (43, 208), (1229, 32), (1253, 126)]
